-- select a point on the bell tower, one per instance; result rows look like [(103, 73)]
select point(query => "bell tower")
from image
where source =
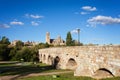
[(48, 37)]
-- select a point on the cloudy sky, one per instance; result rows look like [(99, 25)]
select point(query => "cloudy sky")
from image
[(98, 20)]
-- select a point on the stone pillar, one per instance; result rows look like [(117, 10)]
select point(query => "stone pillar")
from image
[(83, 71)]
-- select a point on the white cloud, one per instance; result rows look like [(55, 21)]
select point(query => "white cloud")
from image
[(36, 16), (74, 31), (33, 16), (89, 8), (16, 23), (103, 20), (83, 13), (4, 26), (35, 23)]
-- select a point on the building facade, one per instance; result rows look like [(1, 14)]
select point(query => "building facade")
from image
[(56, 42)]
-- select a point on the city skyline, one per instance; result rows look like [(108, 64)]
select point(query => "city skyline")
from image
[(29, 20)]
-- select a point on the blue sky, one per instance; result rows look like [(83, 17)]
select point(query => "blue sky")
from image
[(98, 20)]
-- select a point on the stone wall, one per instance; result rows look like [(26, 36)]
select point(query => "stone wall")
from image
[(84, 60)]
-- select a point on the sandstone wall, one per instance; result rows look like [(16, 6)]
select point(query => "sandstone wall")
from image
[(84, 60)]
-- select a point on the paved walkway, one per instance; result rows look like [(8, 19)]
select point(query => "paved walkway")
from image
[(15, 77)]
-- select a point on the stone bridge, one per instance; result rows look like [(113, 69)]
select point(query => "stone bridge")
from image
[(84, 60)]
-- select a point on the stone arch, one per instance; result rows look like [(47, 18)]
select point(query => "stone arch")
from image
[(103, 73), (71, 64), (49, 60), (41, 55), (55, 62), (44, 57)]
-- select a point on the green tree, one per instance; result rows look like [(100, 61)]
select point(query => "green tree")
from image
[(75, 43), (69, 41), (16, 50), (4, 40), (12, 53), (47, 45), (19, 45), (27, 54), (4, 50), (24, 53), (34, 53), (43, 45)]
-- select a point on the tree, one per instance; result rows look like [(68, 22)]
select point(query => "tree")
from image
[(4, 50), (4, 40), (19, 45), (35, 55), (12, 53), (24, 53), (43, 45), (69, 39)]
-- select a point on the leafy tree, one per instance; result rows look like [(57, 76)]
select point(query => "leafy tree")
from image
[(4, 40), (19, 45), (47, 45), (35, 56), (24, 53), (43, 45), (15, 50), (12, 53), (27, 54), (75, 43), (69, 41), (4, 50)]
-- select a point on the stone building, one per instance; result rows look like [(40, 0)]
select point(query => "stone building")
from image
[(55, 42), (13, 43)]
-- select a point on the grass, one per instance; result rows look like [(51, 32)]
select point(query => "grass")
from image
[(24, 68), (114, 78), (8, 63), (67, 76)]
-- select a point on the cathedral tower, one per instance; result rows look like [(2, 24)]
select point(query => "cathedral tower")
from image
[(48, 37)]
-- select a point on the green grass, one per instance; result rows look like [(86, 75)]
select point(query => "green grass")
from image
[(24, 68), (67, 76), (8, 63), (114, 78)]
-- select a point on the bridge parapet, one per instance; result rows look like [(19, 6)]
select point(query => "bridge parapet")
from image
[(85, 60)]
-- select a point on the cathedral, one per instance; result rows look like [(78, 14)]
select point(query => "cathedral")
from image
[(56, 42)]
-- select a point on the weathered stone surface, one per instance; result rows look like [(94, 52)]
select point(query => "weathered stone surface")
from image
[(85, 60)]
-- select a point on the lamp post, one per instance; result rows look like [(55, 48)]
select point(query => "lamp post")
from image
[(78, 36)]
